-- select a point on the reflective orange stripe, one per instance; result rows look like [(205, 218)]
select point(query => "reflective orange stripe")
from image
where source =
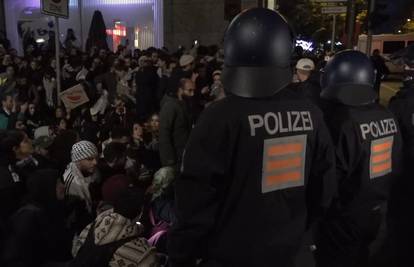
[(285, 149), (283, 164), (381, 167), (381, 157), (382, 147), (283, 178)]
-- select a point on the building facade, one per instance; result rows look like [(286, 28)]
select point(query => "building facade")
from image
[(144, 23), (141, 19)]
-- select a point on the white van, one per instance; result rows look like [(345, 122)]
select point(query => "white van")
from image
[(387, 44)]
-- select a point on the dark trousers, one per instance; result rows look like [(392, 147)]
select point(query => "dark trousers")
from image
[(344, 241)]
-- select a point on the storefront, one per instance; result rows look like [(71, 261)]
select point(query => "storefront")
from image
[(138, 21)]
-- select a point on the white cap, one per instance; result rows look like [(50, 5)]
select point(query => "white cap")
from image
[(305, 64), (186, 60)]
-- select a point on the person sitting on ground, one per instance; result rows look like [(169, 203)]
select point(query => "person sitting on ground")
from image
[(14, 146), (6, 109), (113, 162), (118, 135), (80, 173), (42, 146), (114, 238), (36, 233)]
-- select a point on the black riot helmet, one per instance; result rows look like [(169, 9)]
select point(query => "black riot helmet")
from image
[(258, 46), (349, 78)]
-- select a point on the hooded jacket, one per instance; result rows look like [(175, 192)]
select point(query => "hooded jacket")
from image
[(113, 232)]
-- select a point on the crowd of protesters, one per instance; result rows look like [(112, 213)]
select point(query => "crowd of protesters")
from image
[(93, 185), (95, 179)]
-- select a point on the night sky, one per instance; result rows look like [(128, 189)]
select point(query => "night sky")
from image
[(398, 10)]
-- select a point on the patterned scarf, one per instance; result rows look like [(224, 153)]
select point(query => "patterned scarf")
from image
[(111, 227)]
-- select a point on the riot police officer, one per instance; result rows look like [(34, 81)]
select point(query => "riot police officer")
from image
[(401, 215), (259, 164), (368, 153), (402, 104)]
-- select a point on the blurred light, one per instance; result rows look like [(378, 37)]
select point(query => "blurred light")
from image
[(74, 3), (120, 30), (36, 3), (307, 46), (40, 40), (329, 42), (408, 20), (399, 31), (271, 4), (117, 2), (338, 43)]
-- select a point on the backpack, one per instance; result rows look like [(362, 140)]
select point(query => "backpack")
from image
[(159, 230)]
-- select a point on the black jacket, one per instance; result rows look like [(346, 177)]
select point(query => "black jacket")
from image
[(402, 105), (36, 232), (254, 172), (147, 83), (309, 89), (35, 238), (368, 156), (11, 191), (175, 127)]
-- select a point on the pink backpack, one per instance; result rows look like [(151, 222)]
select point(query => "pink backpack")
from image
[(158, 229)]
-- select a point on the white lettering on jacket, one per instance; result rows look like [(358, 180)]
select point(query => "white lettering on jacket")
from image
[(281, 122), (378, 128)]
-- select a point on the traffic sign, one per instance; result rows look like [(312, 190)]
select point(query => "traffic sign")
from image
[(330, 1), (57, 8), (334, 10)]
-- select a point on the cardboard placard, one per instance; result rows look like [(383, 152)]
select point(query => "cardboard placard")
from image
[(74, 97)]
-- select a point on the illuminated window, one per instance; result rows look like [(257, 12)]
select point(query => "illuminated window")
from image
[(271, 4)]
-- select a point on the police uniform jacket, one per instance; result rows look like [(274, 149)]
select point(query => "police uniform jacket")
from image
[(368, 156), (253, 172), (402, 105)]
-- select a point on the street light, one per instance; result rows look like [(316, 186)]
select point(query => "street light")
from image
[(408, 20), (399, 31)]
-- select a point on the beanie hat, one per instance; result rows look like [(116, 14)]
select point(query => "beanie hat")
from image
[(83, 150), (126, 199), (113, 186)]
